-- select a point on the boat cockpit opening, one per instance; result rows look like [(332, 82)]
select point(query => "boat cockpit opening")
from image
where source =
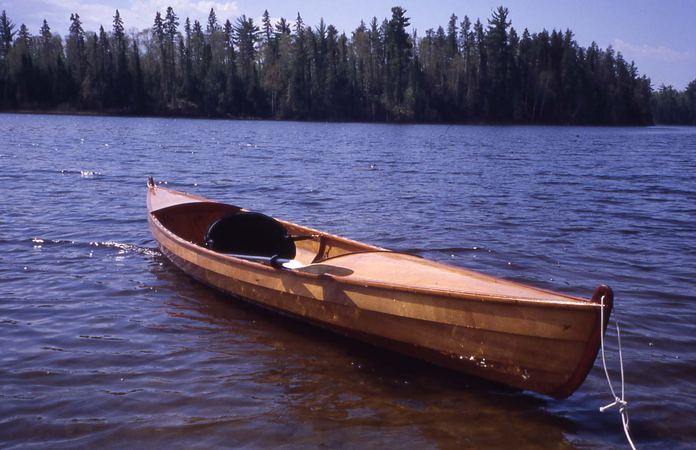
[(250, 233), (254, 236)]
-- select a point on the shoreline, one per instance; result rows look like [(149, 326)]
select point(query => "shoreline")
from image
[(65, 112)]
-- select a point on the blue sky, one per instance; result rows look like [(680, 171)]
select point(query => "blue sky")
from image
[(660, 36)]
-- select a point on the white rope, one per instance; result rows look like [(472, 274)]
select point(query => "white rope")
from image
[(618, 401)]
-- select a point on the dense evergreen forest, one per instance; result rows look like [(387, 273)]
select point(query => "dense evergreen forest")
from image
[(465, 72)]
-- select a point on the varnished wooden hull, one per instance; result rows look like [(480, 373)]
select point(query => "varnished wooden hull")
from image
[(546, 344)]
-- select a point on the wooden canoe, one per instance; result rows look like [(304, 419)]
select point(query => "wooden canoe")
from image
[(488, 327)]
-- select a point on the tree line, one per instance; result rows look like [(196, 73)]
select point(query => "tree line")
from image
[(675, 107), (463, 73)]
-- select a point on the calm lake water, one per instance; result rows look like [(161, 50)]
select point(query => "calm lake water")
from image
[(105, 343)]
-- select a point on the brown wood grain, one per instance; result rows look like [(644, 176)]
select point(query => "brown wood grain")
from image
[(474, 323)]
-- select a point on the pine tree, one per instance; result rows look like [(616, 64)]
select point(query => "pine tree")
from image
[(246, 36), (23, 72), (376, 70), (398, 48), (169, 29), (232, 93), (122, 76), (213, 25), (198, 49), (298, 95), (7, 34), (75, 50), (45, 55), (267, 26), (7, 86), (498, 60), (160, 78), (105, 70)]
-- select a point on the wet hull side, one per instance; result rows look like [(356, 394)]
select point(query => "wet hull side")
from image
[(548, 349)]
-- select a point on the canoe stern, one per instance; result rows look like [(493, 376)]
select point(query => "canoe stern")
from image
[(603, 296)]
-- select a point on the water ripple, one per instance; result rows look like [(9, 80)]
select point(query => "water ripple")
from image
[(105, 341)]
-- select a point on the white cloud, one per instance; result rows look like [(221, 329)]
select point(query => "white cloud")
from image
[(141, 13), (138, 14), (57, 14), (657, 53)]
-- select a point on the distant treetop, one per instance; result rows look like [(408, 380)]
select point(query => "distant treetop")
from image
[(465, 72)]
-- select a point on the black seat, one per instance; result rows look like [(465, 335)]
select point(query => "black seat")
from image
[(250, 233)]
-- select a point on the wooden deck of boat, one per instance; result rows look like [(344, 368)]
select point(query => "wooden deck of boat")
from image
[(365, 264), (408, 272)]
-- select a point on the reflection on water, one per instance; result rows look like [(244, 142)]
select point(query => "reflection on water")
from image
[(104, 341), (329, 381)]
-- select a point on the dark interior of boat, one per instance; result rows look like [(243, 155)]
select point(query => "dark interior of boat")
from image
[(232, 230), (250, 233)]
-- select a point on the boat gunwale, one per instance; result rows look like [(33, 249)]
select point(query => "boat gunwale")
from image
[(571, 302)]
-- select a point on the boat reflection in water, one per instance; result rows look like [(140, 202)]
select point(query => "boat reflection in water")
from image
[(256, 370)]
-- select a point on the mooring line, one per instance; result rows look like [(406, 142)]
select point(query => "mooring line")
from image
[(618, 401)]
